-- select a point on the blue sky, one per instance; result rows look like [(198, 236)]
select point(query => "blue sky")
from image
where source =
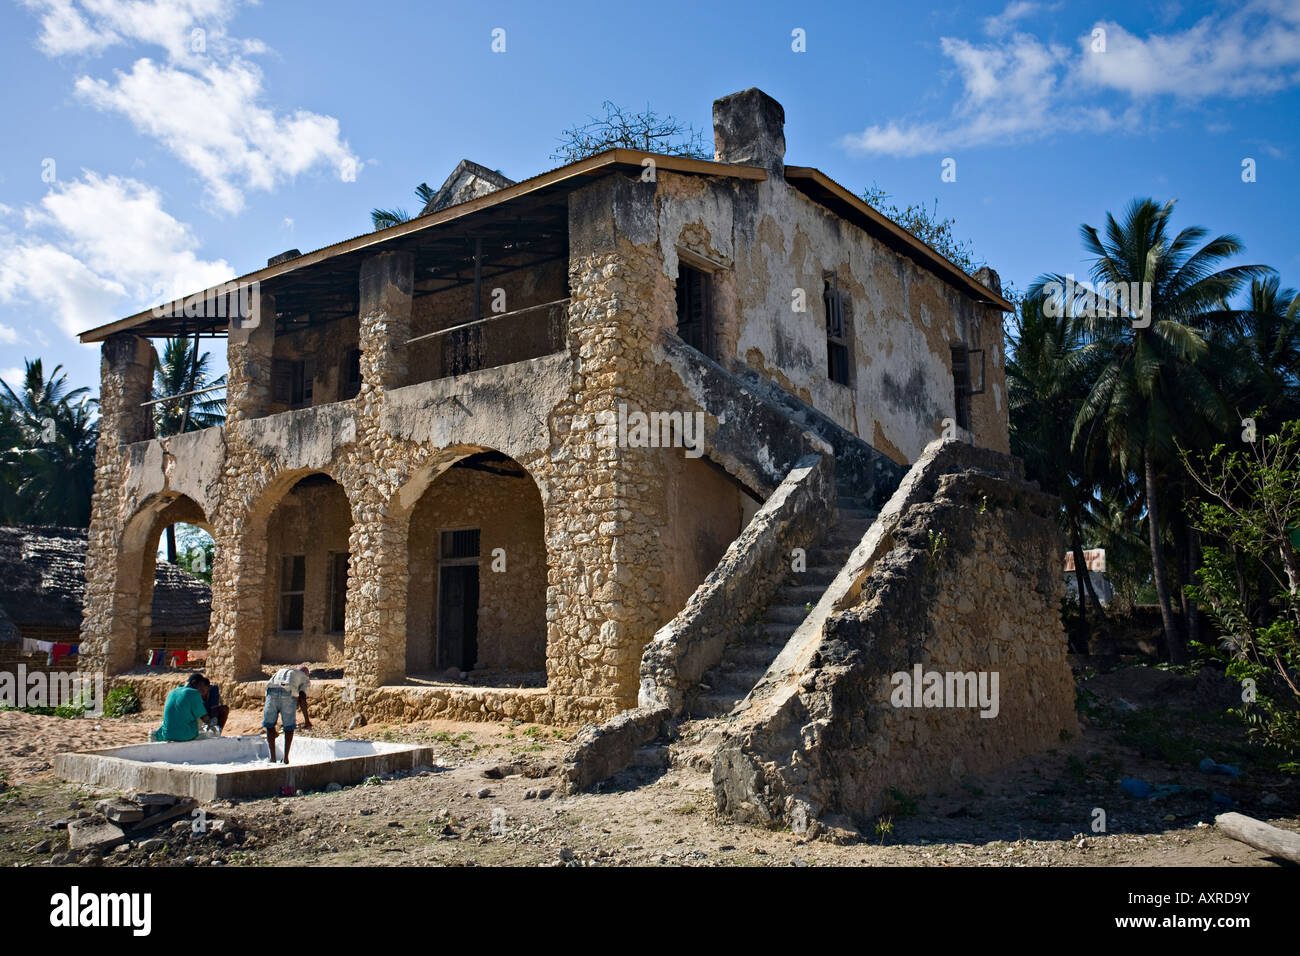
[(139, 155)]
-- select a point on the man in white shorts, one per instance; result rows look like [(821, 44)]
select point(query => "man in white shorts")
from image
[(285, 692)]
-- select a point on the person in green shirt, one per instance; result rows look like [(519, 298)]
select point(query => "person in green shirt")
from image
[(182, 711)]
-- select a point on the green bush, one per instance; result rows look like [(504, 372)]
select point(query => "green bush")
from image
[(121, 701)]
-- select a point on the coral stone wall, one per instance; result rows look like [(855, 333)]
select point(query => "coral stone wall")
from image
[(507, 510), (312, 520)]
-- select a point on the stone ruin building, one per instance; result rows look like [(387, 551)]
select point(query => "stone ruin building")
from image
[(691, 453)]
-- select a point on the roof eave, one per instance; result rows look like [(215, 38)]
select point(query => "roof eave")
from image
[(879, 223), (598, 165)]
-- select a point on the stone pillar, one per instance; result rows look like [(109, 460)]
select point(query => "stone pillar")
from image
[(240, 578), (606, 504), (248, 352), (386, 281), (111, 608), (374, 640)]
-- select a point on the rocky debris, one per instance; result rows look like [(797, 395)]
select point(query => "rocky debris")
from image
[(117, 820), (94, 833), (118, 810)]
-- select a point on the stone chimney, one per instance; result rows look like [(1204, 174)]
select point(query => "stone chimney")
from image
[(749, 128)]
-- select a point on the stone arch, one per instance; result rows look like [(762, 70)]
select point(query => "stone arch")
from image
[(133, 618), (249, 588), (483, 611)]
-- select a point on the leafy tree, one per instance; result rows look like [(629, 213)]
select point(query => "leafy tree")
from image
[(924, 223), (1252, 505), (646, 131)]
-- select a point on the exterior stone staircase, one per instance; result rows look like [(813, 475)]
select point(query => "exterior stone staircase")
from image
[(746, 660)]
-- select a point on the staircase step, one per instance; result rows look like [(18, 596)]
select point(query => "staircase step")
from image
[(715, 703), (800, 594), (792, 614), (736, 675), (855, 514), (750, 655), (819, 575)]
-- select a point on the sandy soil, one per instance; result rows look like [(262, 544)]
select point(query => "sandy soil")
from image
[(491, 802)]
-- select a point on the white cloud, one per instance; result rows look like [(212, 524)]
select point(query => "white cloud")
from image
[(212, 121), (208, 110), (91, 26), (9, 335), (1013, 12), (1016, 87), (1009, 89), (1255, 49), (14, 376), (97, 248)]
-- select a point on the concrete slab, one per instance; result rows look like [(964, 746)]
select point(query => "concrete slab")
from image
[(237, 766)]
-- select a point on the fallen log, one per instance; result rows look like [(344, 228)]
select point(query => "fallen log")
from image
[(1260, 835)]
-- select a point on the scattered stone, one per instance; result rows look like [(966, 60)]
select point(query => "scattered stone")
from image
[(152, 845), (154, 799), (538, 793), (334, 787), (484, 793), (94, 833), (120, 811), (42, 847)]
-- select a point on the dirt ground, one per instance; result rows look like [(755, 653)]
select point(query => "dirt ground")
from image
[(492, 800)]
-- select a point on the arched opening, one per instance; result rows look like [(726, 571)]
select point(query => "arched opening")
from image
[(304, 596), (174, 594), (476, 599)]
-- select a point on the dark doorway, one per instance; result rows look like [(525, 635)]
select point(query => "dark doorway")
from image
[(458, 616)]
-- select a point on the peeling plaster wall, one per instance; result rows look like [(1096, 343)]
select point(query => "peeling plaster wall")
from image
[(769, 239)]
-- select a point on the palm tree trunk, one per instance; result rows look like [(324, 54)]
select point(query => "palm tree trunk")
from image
[(1079, 640), (1159, 575), (171, 544), (1193, 609)]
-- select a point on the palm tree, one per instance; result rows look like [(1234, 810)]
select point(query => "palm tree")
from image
[(50, 433), (1265, 374), (383, 218), (1044, 382), (1153, 390), (181, 371)]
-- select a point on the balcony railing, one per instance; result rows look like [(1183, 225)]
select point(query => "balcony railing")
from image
[(491, 341)]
